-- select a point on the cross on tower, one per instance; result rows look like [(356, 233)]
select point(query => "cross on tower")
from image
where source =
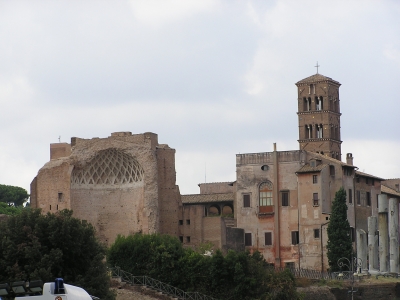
[(59, 138), (317, 67)]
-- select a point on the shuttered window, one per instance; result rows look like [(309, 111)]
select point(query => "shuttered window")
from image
[(268, 238), (247, 239), (285, 198), (295, 237), (246, 200)]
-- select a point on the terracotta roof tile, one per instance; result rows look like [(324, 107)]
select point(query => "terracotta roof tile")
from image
[(334, 160), (207, 198), (387, 190), (308, 169), (316, 78), (368, 175)]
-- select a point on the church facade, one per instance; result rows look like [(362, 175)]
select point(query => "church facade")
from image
[(279, 203)]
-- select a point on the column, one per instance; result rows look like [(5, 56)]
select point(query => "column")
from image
[(373, 243), (362, 248), (383, 233), (394, 234)]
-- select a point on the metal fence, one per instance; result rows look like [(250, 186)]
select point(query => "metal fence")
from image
[(314, 274), (156, 285)]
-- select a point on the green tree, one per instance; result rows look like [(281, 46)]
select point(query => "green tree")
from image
[(236, 275), (36, 246), (339, 239), (6, 209), (14, 195)]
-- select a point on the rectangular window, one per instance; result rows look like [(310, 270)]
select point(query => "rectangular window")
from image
[(352, 234), (350, 196), (247, 239), (314, 179), (180, 222), (377, 202), (181, 239), (285, 198), (358, 195), (290, 265), (295, 237), (246, 200), (316, 233), (368, 199), (187, 222), (266, 198), (60, 197), (367, 180), (315, 199), (332, 170), (188, 239), (268, 238), (348, 171), (358, 179)]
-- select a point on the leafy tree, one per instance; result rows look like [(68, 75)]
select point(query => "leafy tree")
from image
[(339, 239), (237, 275), (6, 209), (36, 246), (282, 286), (14, 195)]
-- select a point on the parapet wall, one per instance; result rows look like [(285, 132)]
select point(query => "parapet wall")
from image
[(267, 157)]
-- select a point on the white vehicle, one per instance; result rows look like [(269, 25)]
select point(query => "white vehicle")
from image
[(36, 290)]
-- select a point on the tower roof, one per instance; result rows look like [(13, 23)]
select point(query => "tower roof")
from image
[(317, 78)]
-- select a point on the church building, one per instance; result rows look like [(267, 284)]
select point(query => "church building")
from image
[(279, 203)]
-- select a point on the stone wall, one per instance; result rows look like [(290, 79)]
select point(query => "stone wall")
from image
[(390, 291), (169, 204), (121, 184)]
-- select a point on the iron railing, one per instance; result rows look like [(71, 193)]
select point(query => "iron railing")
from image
[(156, 285), (315, 274)]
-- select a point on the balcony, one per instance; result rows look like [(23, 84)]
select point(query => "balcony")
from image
[(265, 211)]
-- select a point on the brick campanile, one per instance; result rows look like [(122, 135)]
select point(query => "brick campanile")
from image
[(319, 115)]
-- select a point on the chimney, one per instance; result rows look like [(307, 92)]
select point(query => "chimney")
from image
[(349, 159)]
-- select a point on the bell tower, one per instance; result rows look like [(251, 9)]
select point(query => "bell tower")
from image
[(319, 115)]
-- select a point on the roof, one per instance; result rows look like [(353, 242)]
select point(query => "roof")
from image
[(368, 175), (387, 190), (331, 159), (217, 182), (207, 198), (316, 78), (307, 168)]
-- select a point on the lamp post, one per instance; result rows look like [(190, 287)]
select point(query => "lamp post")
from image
[(350, 264)]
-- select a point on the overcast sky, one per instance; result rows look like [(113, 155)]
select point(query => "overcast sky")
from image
[(211, 78)]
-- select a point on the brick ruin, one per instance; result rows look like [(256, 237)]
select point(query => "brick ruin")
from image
[(279, 203)]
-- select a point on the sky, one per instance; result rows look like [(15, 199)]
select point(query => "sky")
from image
[(211, 78)]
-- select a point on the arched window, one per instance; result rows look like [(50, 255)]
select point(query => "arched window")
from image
[(214, 210), (319, 131), (309, 133), (227, 210), (317, 104), (266, 194)]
